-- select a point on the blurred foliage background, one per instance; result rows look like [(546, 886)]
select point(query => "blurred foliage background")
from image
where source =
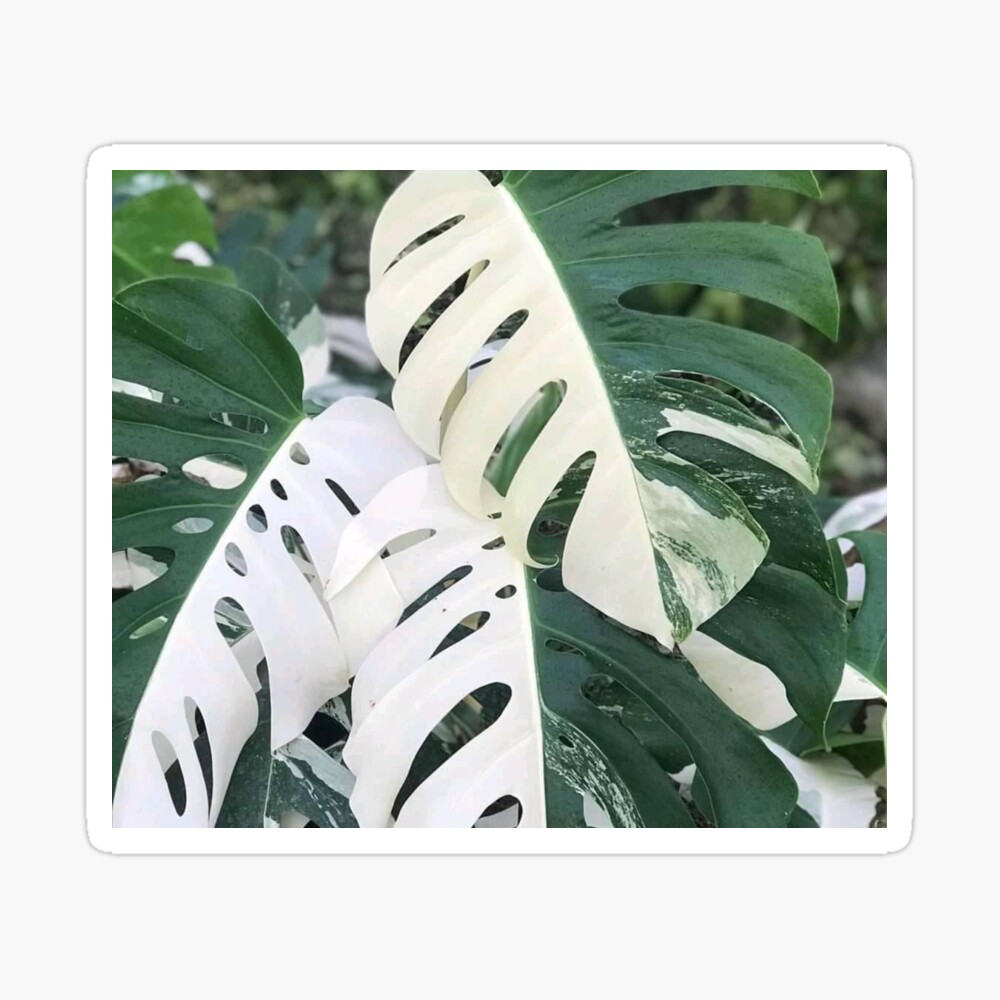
[(319, 224)]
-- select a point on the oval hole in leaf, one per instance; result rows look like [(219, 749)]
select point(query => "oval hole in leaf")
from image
[(231, 619), (172, 773), (325, 731), (153, 625), (221, 472), (426, 237), (504, 592), (504, 813), (298, 454), (193, 525), (278, 490), (439, 588), (342, 495), (433, 312), (406, 541), (510, 325), (502, 333), (296, 547), (257, 519), (235, 559), (125, 471), (202, 745), (473, 715), (133, 569), (465, 628), (522, 432), (237, 629), (247, 422)]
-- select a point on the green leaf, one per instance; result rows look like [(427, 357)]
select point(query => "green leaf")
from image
[(745, 784), (275, 288), (241, 231), (292, 308), (249, 230), (839, 569), (297, 234), (866, 751), (800, 818), (789, 623), (146, 231), (796, 737), (558, 247), (866, 645), (126, 184)]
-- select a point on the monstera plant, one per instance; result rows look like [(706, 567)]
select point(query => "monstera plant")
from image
[(574, 576)]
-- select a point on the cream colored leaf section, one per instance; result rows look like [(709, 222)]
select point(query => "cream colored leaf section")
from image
[(767, 447), (831, 790), (403, 688), (751, 690), (357, 444), (615, 526)]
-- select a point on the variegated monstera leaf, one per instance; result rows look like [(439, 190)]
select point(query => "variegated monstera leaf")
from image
[(244, 516), (686, 481), (589, 721)]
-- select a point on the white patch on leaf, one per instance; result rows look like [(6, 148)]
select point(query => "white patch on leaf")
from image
[(710, 557), (764, 446)]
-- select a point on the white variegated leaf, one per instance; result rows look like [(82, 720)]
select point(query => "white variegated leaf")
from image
[(400, 694), (564, 759), (688, 540), (357, 444)]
